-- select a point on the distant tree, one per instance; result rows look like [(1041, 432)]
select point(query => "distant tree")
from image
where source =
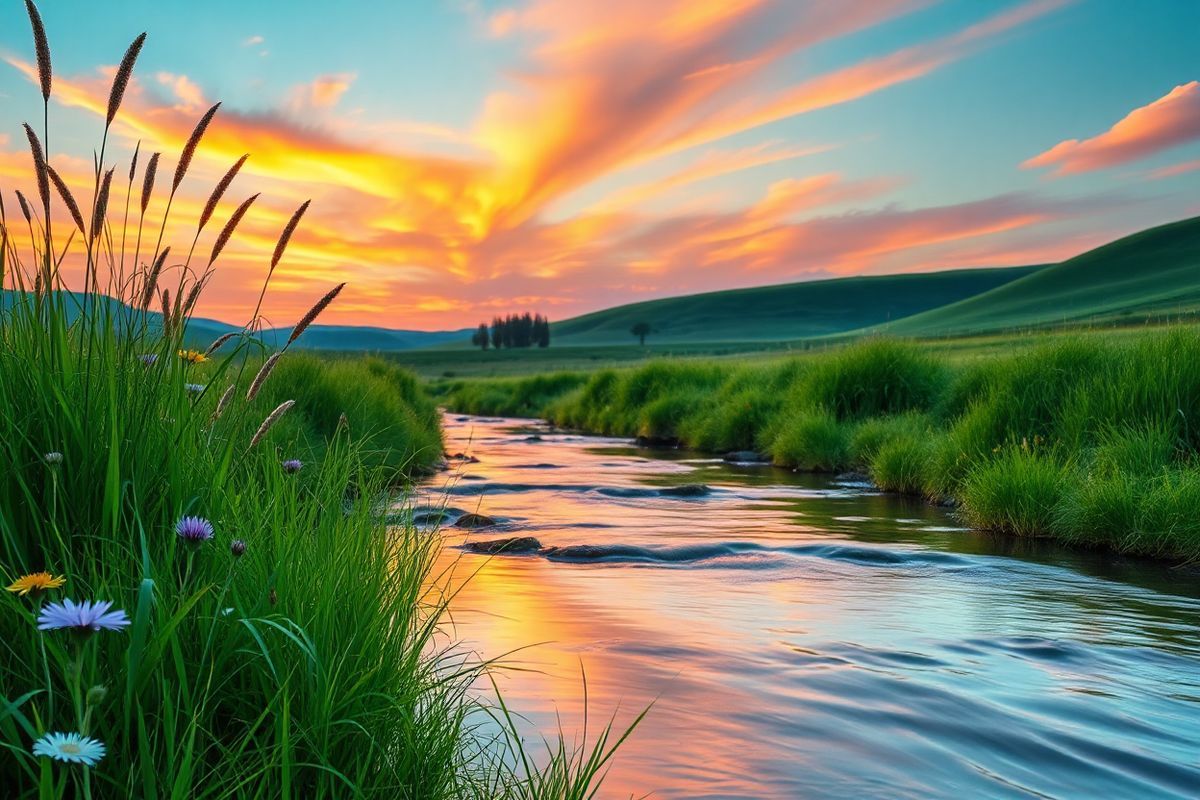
[(497, 333), (641, 330), (480, 337), (541, 331)]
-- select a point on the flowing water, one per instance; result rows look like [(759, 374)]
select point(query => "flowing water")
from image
[(804, 637)]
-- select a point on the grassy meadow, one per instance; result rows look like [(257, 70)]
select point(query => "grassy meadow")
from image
[(1089, 439), (204, 596)]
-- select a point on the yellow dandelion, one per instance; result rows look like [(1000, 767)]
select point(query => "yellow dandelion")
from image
[(35, 583), (193, 356)]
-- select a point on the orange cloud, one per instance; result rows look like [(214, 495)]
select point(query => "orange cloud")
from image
[(323, 92), (1169, 121), (426, 239)]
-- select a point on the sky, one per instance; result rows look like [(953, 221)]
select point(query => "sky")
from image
[(468, 158)]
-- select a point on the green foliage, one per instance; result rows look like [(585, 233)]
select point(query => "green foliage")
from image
[(814, 441), (872, 378), (1015, 492), (901, 464)]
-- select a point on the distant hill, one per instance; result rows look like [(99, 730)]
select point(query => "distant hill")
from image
[(202, 331), (1151, 273), (787, 311)]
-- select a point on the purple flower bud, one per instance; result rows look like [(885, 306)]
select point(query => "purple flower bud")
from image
[(237, 547), (293, 465)]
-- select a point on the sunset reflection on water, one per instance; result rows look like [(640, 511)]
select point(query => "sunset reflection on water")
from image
[(801, 637)]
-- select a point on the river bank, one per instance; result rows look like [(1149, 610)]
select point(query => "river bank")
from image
[(1085, 440)]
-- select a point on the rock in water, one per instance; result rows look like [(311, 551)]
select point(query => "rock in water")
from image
[(685, 490), (746, 457), (517, 545), (474, 521)]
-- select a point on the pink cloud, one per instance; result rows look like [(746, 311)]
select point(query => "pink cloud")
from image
[(1172, 170), (1169, 121)]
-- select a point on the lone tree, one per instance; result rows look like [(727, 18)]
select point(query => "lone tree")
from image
[(641, 330), (480, 337)]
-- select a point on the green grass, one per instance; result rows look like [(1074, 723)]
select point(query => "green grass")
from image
[(1052, 440), (311, 664)]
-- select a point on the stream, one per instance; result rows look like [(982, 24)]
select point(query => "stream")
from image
[(802, 636)]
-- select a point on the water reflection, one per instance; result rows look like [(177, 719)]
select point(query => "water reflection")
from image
[(803, 637)]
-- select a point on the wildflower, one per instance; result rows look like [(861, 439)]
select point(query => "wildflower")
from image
[(194, 530), (72, 748), (53, 458), (194, 388), (36, 583), (96, 694), (237, 547), (193, 356), (149, 359), (84, 617), (293, 465)]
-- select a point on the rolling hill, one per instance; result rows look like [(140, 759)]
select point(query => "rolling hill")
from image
[(1153, 273), (350, 338), (785, 312)]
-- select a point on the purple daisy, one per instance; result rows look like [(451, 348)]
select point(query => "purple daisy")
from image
[(149, 359), (293, 465), (194, 530), (86, 617)]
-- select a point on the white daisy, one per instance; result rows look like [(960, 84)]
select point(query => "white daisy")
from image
[(72, 748)]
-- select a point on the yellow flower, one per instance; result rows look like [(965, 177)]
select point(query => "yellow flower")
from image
[(35, 583), (193, 356)]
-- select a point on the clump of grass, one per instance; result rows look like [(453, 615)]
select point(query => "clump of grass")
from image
[(901, 463), (1016, 492), (815, 441), (873, 378), (874, 434)]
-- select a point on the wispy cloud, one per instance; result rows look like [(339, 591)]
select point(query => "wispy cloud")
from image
[(605, 87), (252, 41), (1168, 122)]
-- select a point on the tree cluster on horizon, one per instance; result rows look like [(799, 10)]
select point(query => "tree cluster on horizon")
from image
[(514, 330)]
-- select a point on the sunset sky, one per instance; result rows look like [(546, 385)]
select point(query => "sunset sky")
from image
[(468, 158)]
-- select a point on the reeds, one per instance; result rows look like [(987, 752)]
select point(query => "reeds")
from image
[(270, 421), (41, 48), (314, 312), (121, 80), (189, 149)]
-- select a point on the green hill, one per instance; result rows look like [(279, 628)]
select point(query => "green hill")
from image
[(1151, 274), (784, 312), (348, 338)]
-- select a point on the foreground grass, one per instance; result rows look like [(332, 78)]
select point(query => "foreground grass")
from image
[(1088, 438), (261, 631)]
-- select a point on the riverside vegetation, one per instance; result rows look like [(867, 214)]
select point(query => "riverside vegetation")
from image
[(204, 596), (1085, 439)]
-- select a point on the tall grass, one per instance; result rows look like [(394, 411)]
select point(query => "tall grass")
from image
[(295, 653), (1085, 438)]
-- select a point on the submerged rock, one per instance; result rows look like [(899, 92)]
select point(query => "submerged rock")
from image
[(474, 521), (516, 545), (656, 441), (746, 457), (685, 490)]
